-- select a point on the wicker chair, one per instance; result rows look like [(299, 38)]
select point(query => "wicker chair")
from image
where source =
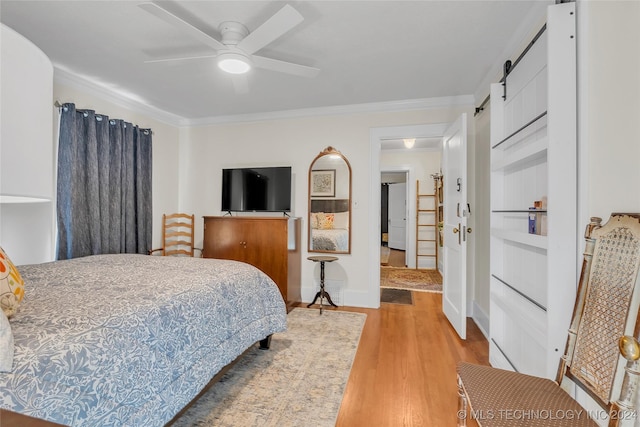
[(604, 325), (177, 236)]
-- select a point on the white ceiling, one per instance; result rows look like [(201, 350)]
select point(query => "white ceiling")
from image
[(368, 51)]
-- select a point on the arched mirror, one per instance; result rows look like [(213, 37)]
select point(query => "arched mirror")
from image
[(330, 203)]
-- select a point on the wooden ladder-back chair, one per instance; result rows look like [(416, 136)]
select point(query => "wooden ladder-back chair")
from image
[(601, 353), (177, 236)]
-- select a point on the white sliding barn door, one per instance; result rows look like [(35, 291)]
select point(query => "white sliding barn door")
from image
[(533, 159)]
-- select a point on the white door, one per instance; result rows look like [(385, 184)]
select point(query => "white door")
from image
[(454, 171), (398, 216)]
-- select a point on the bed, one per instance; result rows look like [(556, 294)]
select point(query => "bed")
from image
[(335, 239), (129, 340), (329, 225)]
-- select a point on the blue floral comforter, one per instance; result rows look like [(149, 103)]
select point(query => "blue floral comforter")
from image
[(129, 340)]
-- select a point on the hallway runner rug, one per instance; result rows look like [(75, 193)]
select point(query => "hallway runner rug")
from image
[(299, 381), (412, 279)]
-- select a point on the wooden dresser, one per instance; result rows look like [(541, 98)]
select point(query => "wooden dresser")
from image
[(271, 244)]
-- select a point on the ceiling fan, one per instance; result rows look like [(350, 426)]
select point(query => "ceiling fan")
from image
[(235, 51)]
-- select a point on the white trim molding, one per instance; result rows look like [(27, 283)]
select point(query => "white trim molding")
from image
[(374, 107), (119, 96), (115, 95)]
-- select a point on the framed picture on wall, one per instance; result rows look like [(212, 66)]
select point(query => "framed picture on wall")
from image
[(323, 183)]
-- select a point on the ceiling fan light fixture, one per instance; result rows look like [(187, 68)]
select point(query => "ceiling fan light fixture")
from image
[(408, 142), (233, 63)]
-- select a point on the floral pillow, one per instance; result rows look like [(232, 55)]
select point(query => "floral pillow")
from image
[(326, 221), (11, 285)]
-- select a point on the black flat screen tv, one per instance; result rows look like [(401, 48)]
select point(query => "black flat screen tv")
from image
[(263, 189)]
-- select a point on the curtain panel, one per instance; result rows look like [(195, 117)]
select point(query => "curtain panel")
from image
[(104, 185)]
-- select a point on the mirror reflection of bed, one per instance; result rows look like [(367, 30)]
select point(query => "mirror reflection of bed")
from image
[(330, 203), (330, 225)]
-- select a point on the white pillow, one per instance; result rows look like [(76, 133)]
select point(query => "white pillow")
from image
[(314, 219), (341, 220), (6, 344)]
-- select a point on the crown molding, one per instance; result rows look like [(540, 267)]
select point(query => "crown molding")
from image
[(129, 101), (373, 107), (411, 150), (115, 96)]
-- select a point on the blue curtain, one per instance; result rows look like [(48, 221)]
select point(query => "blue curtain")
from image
[(104, 185)]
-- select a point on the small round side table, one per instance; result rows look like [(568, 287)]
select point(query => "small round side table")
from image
[(322, 293)]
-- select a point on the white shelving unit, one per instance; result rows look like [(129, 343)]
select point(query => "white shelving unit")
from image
[(533, 158), (426, 229), (27, 166)]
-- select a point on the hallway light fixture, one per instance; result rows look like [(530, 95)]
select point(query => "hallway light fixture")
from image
[(408, 142)]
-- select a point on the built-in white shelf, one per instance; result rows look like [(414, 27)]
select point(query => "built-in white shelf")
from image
[(534, 240), (533, 158), (4, 198), (536, 150), (531, 319)]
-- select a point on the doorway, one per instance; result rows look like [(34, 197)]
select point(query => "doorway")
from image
[(453, 137), (407, 253), (394, 218), (381, 162)]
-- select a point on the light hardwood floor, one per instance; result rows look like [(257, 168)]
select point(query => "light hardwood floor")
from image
[(404, 373)]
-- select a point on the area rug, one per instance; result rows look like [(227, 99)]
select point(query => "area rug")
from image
[(408, 278), (299, 381), (396, 296)]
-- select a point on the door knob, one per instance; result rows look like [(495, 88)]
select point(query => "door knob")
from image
[(469, 230), (456, 230)]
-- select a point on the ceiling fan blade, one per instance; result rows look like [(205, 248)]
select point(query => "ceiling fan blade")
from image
[(240, 83), (284, 67), (180, 23), (284, 20), (180, 58)]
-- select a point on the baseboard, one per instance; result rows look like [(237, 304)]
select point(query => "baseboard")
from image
[(361, 299), (481, 319), (341, 296)]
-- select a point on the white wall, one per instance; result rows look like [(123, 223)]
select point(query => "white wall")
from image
[(421, 163), (608, 114), (26, 150), (296, 142), (610, 105)]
